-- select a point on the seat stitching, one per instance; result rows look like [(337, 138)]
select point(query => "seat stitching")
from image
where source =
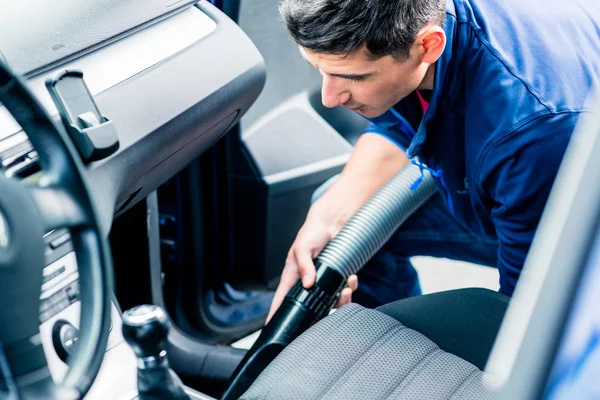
[(365, 356), (318, 342), (457, 390), (361, 311), (413, 374)]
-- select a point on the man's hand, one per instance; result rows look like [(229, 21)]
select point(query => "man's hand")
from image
[(374, 161), (312, 238)]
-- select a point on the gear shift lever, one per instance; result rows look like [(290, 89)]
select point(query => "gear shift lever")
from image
[(145, 328)]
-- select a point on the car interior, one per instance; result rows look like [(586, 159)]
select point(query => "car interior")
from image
[(158, 158)]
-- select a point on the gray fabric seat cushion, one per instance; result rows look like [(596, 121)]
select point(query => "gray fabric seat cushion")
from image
[(360, 353)]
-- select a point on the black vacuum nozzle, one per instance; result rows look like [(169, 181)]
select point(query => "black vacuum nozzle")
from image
[(300, 309), (356, 243)]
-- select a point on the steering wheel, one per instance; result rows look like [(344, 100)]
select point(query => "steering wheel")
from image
[(60, 198)]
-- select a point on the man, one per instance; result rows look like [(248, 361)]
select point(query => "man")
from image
[(485, 93)]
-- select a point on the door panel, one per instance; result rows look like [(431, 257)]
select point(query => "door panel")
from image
[(289, 145)]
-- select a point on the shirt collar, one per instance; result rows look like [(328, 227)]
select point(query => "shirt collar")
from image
[(439, 84)]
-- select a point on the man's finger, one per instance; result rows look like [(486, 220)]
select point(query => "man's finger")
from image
[(305, 267), (277, 300), (352, 282), (345, 297), (288, 279)]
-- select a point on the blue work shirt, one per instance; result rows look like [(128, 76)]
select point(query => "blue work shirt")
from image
[(508, 90)]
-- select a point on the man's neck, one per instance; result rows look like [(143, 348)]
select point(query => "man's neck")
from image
[(427, 83)]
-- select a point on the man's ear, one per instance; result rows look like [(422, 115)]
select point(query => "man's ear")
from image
[(431, 42)]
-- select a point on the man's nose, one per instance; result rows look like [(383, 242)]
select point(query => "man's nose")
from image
[(332, 95)]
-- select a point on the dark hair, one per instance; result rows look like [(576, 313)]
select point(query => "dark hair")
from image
[(387, 27)]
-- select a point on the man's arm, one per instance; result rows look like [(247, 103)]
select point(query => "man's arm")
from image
[(373, 162)]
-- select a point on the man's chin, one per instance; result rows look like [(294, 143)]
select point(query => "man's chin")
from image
[(370, 112)]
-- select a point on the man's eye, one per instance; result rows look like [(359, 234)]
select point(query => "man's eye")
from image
[(355, 79)]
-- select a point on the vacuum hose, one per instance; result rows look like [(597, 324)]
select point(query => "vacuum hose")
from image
[(366, 232)]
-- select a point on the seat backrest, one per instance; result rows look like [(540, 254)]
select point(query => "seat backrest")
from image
[(287, 72), (526, 344)]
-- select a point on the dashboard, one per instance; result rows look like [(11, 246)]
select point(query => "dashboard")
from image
[(174, 77)]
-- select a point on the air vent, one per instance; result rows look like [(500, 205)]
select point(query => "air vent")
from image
[(21, 165)]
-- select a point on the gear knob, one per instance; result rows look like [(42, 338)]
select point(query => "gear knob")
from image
[(145, 328)]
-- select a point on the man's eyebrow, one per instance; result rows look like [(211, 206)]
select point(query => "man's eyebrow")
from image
[(347, 76)]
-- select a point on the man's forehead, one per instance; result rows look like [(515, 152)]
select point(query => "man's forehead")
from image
[(328, 57), (352, 66)]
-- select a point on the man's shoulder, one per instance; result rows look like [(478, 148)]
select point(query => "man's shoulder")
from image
[(523, 67), (553, 55)]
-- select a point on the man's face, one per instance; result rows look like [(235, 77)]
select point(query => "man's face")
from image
[(369, 87)]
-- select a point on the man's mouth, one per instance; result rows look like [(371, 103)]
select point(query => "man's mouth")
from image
[(353, 108)]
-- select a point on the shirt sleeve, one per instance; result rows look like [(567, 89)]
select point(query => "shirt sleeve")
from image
[(516, 179), (393, 126), (391, 135)]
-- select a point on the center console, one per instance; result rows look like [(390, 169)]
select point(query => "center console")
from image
[(59, 323)]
